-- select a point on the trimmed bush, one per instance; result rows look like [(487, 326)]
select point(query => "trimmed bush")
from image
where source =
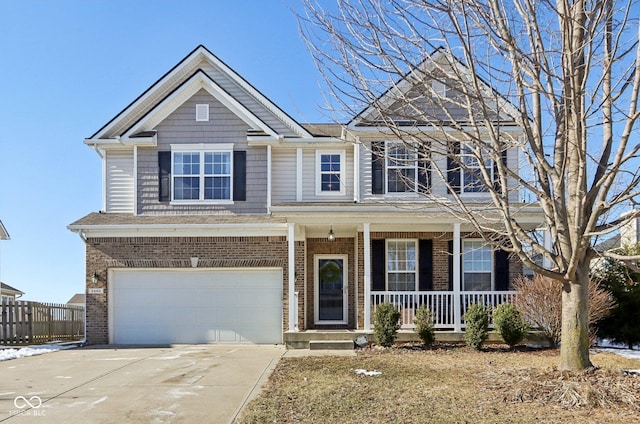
[(386, 324), (424, 325), (477, 321), (508, 321)]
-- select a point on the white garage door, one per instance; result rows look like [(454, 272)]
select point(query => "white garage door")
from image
[(196, 306)]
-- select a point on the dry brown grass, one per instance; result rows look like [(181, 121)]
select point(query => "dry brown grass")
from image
[(447, 385)]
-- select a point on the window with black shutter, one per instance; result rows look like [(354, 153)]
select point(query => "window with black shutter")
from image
[(202, 173), (164, 176), (453, 168)]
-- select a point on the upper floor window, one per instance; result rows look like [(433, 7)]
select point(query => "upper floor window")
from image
[(402, 265), (330, 175), (204, 174), (402, 168), (471, 173), (477, 265), (399, 168)]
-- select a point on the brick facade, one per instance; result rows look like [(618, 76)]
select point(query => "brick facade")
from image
[(164, 252), (340, 246), (175, 252)]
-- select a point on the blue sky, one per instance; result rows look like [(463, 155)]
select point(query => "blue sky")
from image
[(68, 67)]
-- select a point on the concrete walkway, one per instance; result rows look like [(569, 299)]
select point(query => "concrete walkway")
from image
[(180, 384)]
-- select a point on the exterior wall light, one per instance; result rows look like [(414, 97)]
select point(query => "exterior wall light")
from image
[(95, 277), (331, 236)]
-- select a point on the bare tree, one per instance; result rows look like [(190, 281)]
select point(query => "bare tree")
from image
[(472, 80)]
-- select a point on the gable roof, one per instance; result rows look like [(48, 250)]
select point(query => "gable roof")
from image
[(215, 76), (436, 67), (4, 235), (7, 289), (78, 298)]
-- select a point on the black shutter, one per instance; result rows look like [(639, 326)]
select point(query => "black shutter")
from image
[(239, 175), (378, 268), (450, 263), (501, 270), (424, 169), (164, 176), (496, 179), (453, 167), (377, 167), (426, 265)]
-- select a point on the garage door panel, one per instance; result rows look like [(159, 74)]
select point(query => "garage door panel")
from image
[(196, 306)]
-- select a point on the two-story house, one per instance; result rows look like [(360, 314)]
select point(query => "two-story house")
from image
[(225, 220)]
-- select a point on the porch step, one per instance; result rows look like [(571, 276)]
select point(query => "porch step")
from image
[(331, 345)]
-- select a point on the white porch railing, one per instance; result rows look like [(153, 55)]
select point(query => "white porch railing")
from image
[(440, 303)]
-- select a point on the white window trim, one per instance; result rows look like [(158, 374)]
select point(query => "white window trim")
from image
[(414, 191), (345, 289), (319, 154), (202, 112), (464, 192), (386, 264), (491, 271), (202, 148)]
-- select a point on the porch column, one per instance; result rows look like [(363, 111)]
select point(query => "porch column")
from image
[(457, 310), (268, 178), (367, 276), (292, 277)]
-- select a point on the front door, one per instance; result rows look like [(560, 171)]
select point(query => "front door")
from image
[(331, 289)]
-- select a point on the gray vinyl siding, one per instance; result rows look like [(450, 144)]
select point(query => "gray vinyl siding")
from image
[(261, 111), (248, 101), (119, 181), (283, 175), (310, 175), (181, 128)]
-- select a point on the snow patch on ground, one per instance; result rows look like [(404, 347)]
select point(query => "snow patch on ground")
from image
[(368, 373), (604, 345), (16, 353)]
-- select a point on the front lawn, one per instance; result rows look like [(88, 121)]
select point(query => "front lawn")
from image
[(447, 385)]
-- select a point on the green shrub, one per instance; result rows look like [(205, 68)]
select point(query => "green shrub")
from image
[(508, 321), (477, 321), (424, 325), (386, 324)]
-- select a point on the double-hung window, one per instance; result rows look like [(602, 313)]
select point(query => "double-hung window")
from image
[(402, 265), (330, 175), (477, 266), (402, 167), (202, 173), (472, 180)]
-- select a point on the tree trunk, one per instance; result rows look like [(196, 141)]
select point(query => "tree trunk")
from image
[(574, 344)]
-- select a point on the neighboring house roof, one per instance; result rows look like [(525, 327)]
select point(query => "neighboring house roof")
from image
[(608, 244), (8, 290), (434, 68), (4, 235), (200, 69), (78, 298)]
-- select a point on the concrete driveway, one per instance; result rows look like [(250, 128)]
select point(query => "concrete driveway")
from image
[(186, 383)]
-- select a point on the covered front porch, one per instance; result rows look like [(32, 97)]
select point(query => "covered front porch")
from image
[(361, 254)]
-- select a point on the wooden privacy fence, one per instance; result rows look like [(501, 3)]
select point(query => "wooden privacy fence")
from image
[(24, 322)]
